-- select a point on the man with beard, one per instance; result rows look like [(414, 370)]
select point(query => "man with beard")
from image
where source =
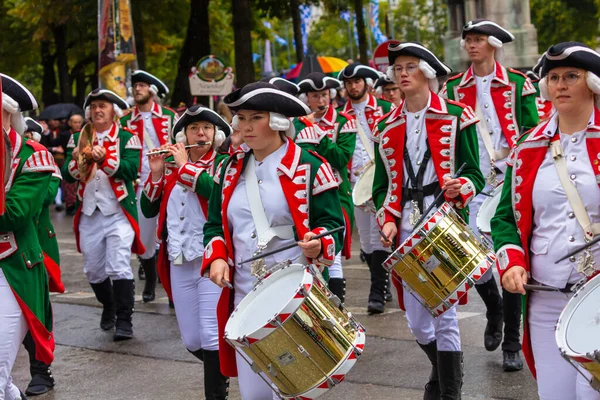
[(367, 110), (151, 123)]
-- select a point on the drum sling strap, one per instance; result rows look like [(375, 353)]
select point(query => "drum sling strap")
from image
[(590, 230), (417, 192)]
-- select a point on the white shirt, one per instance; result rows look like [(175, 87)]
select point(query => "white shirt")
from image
[(556, 231), (241, 224), (416, 144), (185, 224), (149, 133), (484, 98), (360, 157), (98, 193)]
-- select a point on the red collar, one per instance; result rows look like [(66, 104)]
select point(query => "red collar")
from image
[(156, 110), (436, 105), (501, 75), (371, 103), (329, 117)]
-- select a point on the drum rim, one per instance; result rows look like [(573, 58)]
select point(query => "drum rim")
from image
[(496, 192), (564, 319), (290, 307)]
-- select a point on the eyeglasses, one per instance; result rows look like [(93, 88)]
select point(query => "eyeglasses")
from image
[(569, 78), (390, 90), (196, 128), (410, 69)]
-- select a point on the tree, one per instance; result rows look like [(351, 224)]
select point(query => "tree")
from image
[(297, 24), (242, 25), (360, 28), (422, 21), (195, 46)]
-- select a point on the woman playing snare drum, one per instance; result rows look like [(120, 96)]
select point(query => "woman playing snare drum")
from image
[(298, 194), (536, 223)]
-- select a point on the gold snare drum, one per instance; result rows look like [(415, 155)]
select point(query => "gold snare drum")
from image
[(441, 260), (294, 334)]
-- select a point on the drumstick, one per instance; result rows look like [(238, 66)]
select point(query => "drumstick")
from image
[(541, 288), (486, 194), (291, 246), (439, 196), (579, 249), (226, 283)]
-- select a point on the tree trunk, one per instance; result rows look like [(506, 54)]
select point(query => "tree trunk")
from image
[(49, 96), (242, 24), (195, 46), (138, 29), (62, 63), (297, 24), (360, 28)]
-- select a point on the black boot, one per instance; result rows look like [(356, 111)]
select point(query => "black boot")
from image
[(338, 287), (149, 267), (512, 340), (495, 316), (450, 366), (216, 386), (378, 282), (124, 291), (104, 294), (432, 388), (388, 289), (199, 354), (41, 377), (141, 272)]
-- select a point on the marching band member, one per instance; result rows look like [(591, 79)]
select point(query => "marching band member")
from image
[(540, 217), (179, 196), (42, 380), (388, 90), (105, 225), (415, 149), (152, 123), (367, 110), (334, 140), (24, 294), (504, 101), (298, 193)]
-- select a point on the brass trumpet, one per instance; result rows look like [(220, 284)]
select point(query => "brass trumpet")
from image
[(189, 146)]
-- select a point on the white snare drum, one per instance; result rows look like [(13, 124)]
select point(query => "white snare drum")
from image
[(362, 194), (487, 210), (295, 335), (578, 330)]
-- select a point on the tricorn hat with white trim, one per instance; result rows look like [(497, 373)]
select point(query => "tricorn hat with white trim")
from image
[(263, 96), (357, 70), (199, 113), (283, 84), (106, 95), (570, 54), (415, 49), (22, 98), (496, 34), (156, 85), (33, 125), (317, 81)]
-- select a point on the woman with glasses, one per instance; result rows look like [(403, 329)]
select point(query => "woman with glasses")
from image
[(537, 223), (177, 190), (298, 193)]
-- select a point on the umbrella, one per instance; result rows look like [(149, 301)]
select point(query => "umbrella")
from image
[(60, 111), (328, 65)]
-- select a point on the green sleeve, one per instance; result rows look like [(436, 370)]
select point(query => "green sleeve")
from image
[(213, 226), (326, 212), (380, 181), (529, 113), (338, 154), (52, 191), (64, 170), (150, 209), (23, 200), (468, 152), (504, 226)]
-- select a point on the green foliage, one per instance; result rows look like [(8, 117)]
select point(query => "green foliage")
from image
[(565, 20), (421, 20), (329, 37)]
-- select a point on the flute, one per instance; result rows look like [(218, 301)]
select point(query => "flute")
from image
[(189, 146)]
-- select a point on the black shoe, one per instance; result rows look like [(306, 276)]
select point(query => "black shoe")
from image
[(149, 267), (450, 367), (41, 377), (432, 388), (512, 361), (492, 337), (337, 286), (40, 384), (375, 307), (59, 207), (141, 272), (124, 290), (71, 211), (104, 294), (378, 282), (216, 386)]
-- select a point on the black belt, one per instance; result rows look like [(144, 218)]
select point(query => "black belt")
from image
[(409, 194)]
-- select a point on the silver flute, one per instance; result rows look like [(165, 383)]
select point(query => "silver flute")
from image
[(189, 146)]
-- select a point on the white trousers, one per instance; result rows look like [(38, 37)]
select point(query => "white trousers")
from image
[(425, 328), (252, 387), (335, 271), (195, 298), (148, 227), (105, 243), (474, 207), (368, 231), (556, 378), (12, 332)]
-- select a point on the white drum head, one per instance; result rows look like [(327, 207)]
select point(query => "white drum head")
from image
[(578, 328), (266, 301), (487, 210), (363, 190)]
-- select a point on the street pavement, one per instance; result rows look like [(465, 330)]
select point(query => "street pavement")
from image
[(156, 365)]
